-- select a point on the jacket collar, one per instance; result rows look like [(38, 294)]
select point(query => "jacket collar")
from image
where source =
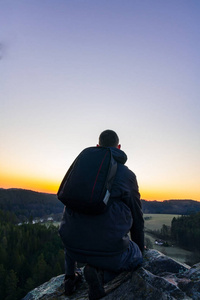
[(119, 155)]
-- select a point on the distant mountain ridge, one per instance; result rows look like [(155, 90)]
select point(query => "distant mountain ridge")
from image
[(27, 203), (180, 207)]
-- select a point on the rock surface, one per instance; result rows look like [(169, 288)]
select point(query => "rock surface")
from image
[(160, 277)]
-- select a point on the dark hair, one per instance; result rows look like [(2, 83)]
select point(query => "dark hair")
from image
[(108, 138)]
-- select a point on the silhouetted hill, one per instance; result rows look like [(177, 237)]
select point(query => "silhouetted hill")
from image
[(26, 203), (180, 207)]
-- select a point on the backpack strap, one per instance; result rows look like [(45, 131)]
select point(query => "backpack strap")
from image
[(111, 176)]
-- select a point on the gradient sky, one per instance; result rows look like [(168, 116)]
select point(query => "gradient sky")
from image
[(71, 69)]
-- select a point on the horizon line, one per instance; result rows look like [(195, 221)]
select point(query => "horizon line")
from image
[(50, 193)]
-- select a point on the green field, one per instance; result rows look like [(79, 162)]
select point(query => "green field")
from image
[(157, 220), (174, 252)]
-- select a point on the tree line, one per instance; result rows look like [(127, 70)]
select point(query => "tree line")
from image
[(25, 204), (176, 207), (30, 254), (185, 231)]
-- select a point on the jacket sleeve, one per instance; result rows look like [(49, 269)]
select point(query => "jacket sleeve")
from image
[(134, 203)]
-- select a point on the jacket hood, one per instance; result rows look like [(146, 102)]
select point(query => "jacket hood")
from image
[(119, 155)]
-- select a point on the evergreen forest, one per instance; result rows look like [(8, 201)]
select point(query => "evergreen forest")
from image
[(27, 204), (30, 254), (185, 231)]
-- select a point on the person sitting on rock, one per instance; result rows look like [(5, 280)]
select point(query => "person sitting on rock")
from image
[(101, 241)]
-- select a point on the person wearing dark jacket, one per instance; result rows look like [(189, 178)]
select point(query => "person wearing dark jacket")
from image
[(102, 241)]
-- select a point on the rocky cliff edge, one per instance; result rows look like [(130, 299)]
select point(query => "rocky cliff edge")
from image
[(160, 277)]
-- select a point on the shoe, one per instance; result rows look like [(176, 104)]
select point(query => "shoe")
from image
[(94, 280), (70, 285)]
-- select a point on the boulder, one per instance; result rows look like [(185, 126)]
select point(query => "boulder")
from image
[(159, 277)]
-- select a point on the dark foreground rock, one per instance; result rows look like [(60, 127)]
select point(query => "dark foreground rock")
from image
[(160, 277)]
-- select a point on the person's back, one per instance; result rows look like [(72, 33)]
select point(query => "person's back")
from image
[(102, 241)]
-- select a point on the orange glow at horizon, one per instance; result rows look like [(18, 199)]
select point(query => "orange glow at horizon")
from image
[(51, 186), (28, 183), (160, 194)]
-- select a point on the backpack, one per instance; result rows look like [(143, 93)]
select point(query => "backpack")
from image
[(87, 184)]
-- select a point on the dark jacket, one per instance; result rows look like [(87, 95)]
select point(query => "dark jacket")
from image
[(107, 233)]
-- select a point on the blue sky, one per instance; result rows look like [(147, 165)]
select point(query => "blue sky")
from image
[(70, 69)]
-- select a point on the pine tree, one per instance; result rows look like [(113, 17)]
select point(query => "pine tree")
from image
[(11, 286), (2, 281), (29, 285), (40, 270)]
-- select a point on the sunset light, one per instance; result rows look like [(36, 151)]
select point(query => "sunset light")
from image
[(70, 71)]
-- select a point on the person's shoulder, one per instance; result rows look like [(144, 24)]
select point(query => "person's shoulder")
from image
[(125, 171)]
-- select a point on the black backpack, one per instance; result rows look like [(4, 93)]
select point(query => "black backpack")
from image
[(87, 184)]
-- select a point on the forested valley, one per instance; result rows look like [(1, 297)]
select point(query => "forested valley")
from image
[(183, 232), (30, 254), (25, 204)]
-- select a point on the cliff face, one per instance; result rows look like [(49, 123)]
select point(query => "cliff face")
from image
[(160, 277)]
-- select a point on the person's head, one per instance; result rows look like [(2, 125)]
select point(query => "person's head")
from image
[(109, 138)]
